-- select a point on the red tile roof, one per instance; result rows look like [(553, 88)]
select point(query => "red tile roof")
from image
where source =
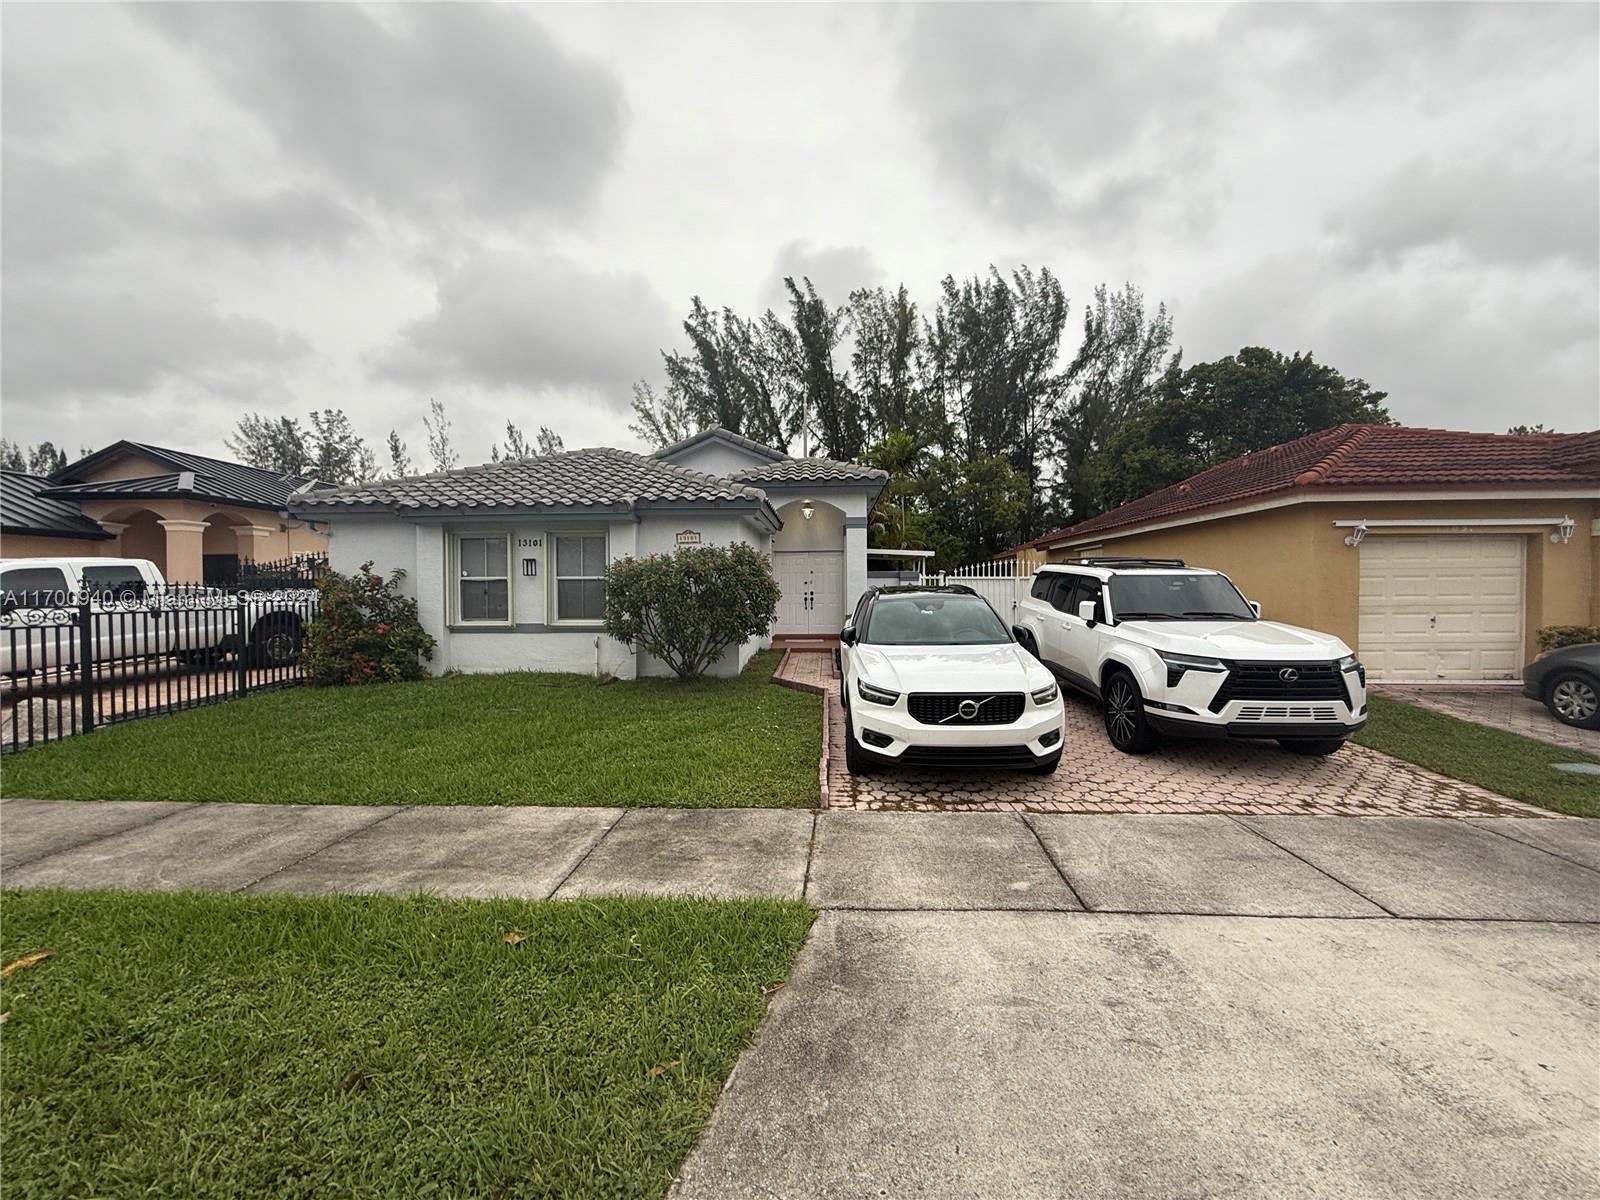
[(1367, 457)]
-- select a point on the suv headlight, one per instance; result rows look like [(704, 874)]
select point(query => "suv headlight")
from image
[(1351, 663), (1046, 694), (1191, 662), (875, 695)]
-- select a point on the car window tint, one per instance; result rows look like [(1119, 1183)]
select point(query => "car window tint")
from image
[(1061, 598), (1042, 586), (33, 587)]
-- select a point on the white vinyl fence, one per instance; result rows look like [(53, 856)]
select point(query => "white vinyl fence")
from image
[(997, 582)]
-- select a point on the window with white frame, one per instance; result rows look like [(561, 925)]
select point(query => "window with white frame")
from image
[(580, 577), (483, 584)]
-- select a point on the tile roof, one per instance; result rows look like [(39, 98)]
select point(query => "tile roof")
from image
[(1368, 457), (726, 435), (598, 477), (811, 470), (24, 509), (213, 478)]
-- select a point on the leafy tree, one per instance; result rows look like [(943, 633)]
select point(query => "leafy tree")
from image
[(399, 459), (660, 419), (1525, 430), (828, 406), (734, 374), (887, 339), (546, 441), (688, 607), (973, 507), (1216, 411), (549, 441), (990, 366), (337, 454), (272, 443), (439, 448), (43, 459), (897, 520), (1109, 381), (12, 457)]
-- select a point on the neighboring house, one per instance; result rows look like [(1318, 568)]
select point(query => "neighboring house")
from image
[(196, 518), (506, 560), (1438, 554)]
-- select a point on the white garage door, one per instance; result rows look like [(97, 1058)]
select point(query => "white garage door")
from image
[(1441, 607)]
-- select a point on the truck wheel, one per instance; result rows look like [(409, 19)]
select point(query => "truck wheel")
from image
[(1126, 724), (276, 641), (1313, 747)]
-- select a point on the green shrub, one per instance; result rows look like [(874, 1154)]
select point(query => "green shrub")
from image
[(688, 607), (365, 632), (1553, 637)]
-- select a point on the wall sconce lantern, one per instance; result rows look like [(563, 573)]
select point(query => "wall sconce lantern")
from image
[(807, 509), (530, 567)]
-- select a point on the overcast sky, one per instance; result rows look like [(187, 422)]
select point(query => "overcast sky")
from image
[(212, 209)]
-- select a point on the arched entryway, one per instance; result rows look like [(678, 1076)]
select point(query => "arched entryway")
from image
[(808, 559), (143, 537)]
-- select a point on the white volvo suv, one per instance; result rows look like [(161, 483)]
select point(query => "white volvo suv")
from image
[(1172, 649), (931, 676)]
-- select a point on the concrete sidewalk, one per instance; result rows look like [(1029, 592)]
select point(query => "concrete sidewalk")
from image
[(1001, 1006), (1493, 869)]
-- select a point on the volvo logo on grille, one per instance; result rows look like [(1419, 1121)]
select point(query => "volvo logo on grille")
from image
[(968, 709), (1288, 674)]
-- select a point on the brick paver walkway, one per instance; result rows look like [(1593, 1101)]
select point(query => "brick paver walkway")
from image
[(1499, 708), (1188, 777)]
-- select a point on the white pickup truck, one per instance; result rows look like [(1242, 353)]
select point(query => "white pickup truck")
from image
[(135, 614)]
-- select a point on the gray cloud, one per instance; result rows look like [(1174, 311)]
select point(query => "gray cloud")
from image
[(1493, 211), (432, 111), (535, 322), (835, 271), (76, 336)]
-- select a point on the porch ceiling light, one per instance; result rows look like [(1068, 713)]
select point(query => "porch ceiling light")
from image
[(807, 509)]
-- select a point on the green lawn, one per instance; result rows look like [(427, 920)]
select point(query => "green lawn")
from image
[(1503, 762), (472, 739), (224, 1046)]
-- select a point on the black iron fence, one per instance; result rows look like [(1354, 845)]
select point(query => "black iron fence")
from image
[(296, 571), (103, 658)]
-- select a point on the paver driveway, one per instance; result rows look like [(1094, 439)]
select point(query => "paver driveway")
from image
[(1191, 777), (1499, 708)]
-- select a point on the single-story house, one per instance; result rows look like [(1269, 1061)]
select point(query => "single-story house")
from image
[(506, 560), (196, 518), (1437, 554)]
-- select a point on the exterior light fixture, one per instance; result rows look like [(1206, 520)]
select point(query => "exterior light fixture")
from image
[(807, 509)]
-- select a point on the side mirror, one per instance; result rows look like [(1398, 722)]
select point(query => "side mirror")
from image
[(847, 635), (1086, 611), (1255, 606)]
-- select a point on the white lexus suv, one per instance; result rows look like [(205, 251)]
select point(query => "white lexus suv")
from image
[(931, 676), (1172, 649)]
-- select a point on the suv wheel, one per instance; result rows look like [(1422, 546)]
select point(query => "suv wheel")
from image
[(855, 759), (1313, 747), (1573, 698), (1126, 724)]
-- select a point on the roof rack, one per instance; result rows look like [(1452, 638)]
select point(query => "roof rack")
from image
[(1128, 562), (891, 589)]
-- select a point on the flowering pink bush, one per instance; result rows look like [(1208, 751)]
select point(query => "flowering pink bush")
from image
[(688, 607), (365, 632)]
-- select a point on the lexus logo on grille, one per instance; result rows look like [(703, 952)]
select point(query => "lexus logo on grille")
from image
[(968, 709), (1288, 674)]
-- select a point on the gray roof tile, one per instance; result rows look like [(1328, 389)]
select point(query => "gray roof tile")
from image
[(811, 470), (598, 477), (24, 508)]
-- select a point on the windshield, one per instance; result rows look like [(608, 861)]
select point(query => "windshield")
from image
[(1177, 598), (933, 621)]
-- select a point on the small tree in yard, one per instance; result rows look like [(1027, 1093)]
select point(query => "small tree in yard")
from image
[(364, 631), (688, 607)]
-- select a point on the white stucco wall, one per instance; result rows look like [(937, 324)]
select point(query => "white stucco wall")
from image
[(530, 642)]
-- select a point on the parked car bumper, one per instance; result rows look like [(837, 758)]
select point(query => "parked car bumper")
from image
[(891, 735), (1255, 719)]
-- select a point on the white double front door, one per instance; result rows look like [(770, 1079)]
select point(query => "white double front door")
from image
[(811, 583)]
